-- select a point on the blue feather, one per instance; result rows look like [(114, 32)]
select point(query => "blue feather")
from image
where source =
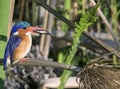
[(11, 45), (20, 24), (13, 42)]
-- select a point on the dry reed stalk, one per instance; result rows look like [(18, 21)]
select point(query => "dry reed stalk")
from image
[(97, 75)]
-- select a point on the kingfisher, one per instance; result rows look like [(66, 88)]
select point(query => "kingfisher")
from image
[(19, 42)]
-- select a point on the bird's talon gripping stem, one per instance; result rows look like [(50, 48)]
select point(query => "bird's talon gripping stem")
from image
[(17, 61), (21, 60), (24, 59)]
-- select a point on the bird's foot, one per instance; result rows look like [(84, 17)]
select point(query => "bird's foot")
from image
[(17, 61), (21, 60), (24, 59)]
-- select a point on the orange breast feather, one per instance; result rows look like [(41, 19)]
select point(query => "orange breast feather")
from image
[(23, 48)]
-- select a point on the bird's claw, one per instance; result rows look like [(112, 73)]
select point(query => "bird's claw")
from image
[(24, 59), (21, 60)]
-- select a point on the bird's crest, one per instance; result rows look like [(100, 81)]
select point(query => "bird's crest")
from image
[(21, 24)]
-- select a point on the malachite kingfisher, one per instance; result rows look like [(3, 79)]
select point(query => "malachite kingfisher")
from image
[(20, 42)]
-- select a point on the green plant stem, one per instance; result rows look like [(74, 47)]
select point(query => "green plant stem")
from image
[(27, 10), (34, 15), (83, 7), (114, 60), (114, 15), (84, 23), (67, 7)]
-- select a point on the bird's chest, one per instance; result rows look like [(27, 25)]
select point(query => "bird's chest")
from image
[(25, 44), (23, 48)]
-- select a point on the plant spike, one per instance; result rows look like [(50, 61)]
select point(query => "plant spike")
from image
[(86, 20)]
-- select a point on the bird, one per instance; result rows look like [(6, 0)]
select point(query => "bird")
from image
[(19, 42)]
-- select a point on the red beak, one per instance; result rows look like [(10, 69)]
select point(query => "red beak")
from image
[(32, 29), (36, 29)]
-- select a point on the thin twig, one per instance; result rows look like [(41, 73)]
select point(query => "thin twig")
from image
[(107, 24), (21, 10), (10, 16), (48, 38), (105, 46), (42, 40), (47, 63)]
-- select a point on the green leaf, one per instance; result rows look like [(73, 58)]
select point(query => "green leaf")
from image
[(4, 17)]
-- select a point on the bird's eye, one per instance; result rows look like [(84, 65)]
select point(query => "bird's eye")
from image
[(24, 27)]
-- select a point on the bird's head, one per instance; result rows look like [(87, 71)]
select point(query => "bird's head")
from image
[(23, 28)]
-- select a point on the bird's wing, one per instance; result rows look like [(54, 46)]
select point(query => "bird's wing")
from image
[(11, 45)]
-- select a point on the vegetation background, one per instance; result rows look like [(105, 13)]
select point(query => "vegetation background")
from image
[(57, 48)]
